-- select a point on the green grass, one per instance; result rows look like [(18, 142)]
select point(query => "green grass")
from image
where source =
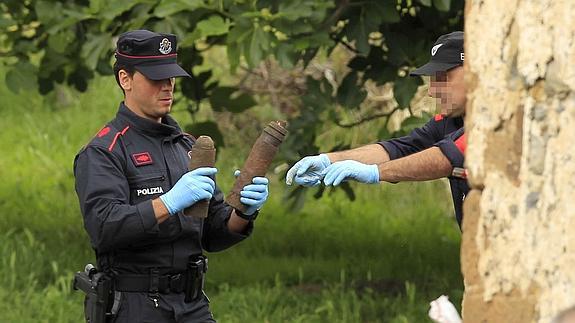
[(381, 258)]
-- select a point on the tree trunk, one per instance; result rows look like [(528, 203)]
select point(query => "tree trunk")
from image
[(518, 248)]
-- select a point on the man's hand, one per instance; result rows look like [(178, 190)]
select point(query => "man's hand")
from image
[(308, 171), (254, 195), (192, 187), (350, 169)]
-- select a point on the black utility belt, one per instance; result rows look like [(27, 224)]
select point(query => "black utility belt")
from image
[(190, 282), (144, 283)]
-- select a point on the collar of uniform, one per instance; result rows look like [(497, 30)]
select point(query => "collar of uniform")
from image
[(459, 121), (168, 126)]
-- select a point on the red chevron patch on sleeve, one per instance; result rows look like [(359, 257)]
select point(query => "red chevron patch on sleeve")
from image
[(461, 144), (103, 132)]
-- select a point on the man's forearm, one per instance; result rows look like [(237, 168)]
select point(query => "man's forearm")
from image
[(369, 154), (160, 210), (422, 166), (236, 223)]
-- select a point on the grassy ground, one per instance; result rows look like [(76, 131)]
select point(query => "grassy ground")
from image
[(381, 258)]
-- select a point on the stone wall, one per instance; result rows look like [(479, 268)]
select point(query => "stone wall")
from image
[(518, 248)]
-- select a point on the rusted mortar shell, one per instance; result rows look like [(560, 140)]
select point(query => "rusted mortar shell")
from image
[(203, 155), (258, 161)]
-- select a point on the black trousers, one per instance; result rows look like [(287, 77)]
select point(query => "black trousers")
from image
[(168, 308)]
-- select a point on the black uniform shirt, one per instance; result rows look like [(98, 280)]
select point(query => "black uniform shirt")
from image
[(447, 134), (131, 161)]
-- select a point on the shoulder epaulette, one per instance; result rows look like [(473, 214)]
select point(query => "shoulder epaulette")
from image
[(108, 136)]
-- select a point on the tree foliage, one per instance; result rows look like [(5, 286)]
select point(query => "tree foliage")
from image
[(70, 41)]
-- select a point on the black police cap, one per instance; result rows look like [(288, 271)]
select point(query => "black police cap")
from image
[(152, 54), (446, 53)]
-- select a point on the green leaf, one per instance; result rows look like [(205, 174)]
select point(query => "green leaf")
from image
[(383, 134), (318, 97), (314, 41), (50, 62), (169, 7), (74, 11), (426, 3), (404, 88), (138, 16), (6, 22), (21, 76), (239, 32), (285, 56), (233, 56), (385, 10), (195, 87), (214, 25), (292, 29), (294, 10), (59, 42), (79, 78), (358, 63), (64, 23), (206, 128), (398, 45), (96, 6), (409, 124), (382, 75), (359, 31), (442, 5), (350, 94), (48, 11), (230, 99), (413, 122), (94, 47), (220, 98), (189, 39), (257, 43)]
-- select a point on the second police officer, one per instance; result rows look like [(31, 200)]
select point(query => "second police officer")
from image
[(433, 151)]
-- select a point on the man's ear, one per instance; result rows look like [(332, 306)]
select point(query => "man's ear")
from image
[(125, 80)]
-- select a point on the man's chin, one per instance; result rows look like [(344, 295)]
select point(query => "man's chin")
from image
[(159, 113), (164, 110), (452, 113)]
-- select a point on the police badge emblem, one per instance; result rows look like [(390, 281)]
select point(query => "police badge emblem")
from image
[(165, 46)]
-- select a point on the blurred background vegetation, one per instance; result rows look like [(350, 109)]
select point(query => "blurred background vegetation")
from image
[(336, 70)]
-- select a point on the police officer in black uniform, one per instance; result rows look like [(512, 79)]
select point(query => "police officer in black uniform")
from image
[(133, 182), (433, 151)]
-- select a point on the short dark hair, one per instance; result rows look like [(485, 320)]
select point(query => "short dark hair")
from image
[(121, 66)]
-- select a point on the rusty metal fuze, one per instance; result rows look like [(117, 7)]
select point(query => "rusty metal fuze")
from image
[(203, 155), (259, 160)]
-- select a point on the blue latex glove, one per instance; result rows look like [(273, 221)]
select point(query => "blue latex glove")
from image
[(192, 187), (350, 169), (254, 195), (308, 171)]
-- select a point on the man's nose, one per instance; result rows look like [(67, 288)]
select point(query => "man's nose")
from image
[(167, 83)]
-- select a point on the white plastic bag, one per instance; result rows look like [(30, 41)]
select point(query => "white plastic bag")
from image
[(442, 311)]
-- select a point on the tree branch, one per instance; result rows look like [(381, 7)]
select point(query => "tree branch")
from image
[(344, 43), (336, 14), (366, 119)]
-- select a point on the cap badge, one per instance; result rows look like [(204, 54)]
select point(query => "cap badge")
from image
[(435, 48), (165, 46)]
